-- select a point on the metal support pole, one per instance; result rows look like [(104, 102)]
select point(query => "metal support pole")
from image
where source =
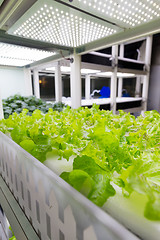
[(120, 86), (76, 89), (138, 86), (114, 78), (28, 82), (1, 108), (87, 86), (58, 83), (121, 53), (36, 83), (148, 53)]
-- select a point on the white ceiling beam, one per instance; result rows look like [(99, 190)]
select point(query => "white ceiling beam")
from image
[(48, 62), (8, 10), (135, 40), (25, 42)]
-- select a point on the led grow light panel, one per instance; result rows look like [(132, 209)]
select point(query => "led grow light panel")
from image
[(65, 69), (56, 23), (119, 74), (126, 13), (13, 55)]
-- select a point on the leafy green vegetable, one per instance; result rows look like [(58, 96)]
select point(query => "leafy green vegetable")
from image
[(107, 149), (13, 236), (17, 103), (90, 179), (102, 189), (28, 145), (80, 180)]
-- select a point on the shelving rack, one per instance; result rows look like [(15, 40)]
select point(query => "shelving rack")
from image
[(112, 68), (69, 29)]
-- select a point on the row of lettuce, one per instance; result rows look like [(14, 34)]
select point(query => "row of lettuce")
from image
[(17, 103), (108, 150)]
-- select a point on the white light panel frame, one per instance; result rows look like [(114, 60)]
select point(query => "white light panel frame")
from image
[(124, 13), (12, 55), (53, 22)]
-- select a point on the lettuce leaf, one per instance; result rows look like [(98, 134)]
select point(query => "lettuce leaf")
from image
[(90, 179)]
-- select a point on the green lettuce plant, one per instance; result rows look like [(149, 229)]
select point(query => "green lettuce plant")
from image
[(108, 150), (17, 103)]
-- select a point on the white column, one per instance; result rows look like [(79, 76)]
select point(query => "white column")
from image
[(87, 86), (138, 86), (114, 78), (75, 81), (148, 53), (58, 83), (28, 82), (36, 83), (120, 86), (121, 53), (1, 108), (120, 80)]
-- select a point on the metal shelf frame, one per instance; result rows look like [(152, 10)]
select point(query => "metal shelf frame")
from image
[(81, 13), (124, 32)]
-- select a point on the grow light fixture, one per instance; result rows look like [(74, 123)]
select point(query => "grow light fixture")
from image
[(119, 74), (13, 55), (65, 69), (126, 13), (83, 70), (89, 71), (13, 62), (54, 22)]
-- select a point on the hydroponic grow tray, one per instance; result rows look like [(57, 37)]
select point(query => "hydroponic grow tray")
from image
[(54, 209)]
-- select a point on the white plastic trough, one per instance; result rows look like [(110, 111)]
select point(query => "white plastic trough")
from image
[(53, 207)]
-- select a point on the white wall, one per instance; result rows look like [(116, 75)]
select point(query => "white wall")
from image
[(12, 81)]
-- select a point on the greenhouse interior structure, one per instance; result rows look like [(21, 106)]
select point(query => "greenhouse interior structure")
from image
[(79, 120)]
